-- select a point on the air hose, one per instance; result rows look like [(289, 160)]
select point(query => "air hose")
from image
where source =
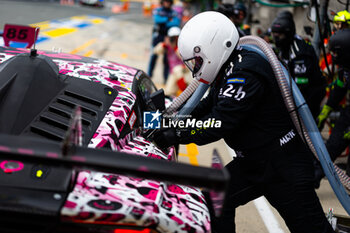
[(178, 101), (195, 90), (302, 118), (193, 100), (193, 93)]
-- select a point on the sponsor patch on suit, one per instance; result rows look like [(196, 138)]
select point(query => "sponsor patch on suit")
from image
[(236, 80)]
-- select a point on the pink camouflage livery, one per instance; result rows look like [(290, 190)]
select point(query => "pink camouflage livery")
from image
[(116, 199)]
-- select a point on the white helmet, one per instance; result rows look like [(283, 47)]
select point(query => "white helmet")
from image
[(174, 31), (206, 42)]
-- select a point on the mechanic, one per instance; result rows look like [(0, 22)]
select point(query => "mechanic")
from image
[(341, 20), (164, 18), (271, 158), (300, 59), (340, 137), (236, 13)]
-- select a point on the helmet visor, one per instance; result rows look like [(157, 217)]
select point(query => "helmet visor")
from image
[(194, 64)]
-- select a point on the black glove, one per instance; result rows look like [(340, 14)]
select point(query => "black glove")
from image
[(165, 138)]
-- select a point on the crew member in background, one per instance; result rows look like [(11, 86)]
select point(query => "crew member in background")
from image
[(341, 20), (272, 158), (164, 18), (340, 137), (180, 76), (301, 60), (236, 13), (337, 90)]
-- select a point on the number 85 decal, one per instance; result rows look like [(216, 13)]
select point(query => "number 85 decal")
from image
[(238, 94)]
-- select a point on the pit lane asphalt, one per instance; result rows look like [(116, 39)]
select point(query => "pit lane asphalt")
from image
[(125, 38)]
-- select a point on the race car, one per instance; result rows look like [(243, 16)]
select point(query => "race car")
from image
[(97, 3), (73, 157)]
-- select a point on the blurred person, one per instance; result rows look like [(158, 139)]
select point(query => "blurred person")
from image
[(185, 10), (236, 13), (164, 18), (301, 60), (255, 122), (188, 12), (266, 36), (67, 2), (240, 13), (341, 20), (180, 75), (340, 137)]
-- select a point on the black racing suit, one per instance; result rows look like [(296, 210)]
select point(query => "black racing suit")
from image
[(303, 66), (272, 160), (336, 143)]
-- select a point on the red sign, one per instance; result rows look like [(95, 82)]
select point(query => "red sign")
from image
[(20, 33)]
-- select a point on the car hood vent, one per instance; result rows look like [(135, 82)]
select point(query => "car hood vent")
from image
[(35, 99), (94, 100), (27, 84)]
